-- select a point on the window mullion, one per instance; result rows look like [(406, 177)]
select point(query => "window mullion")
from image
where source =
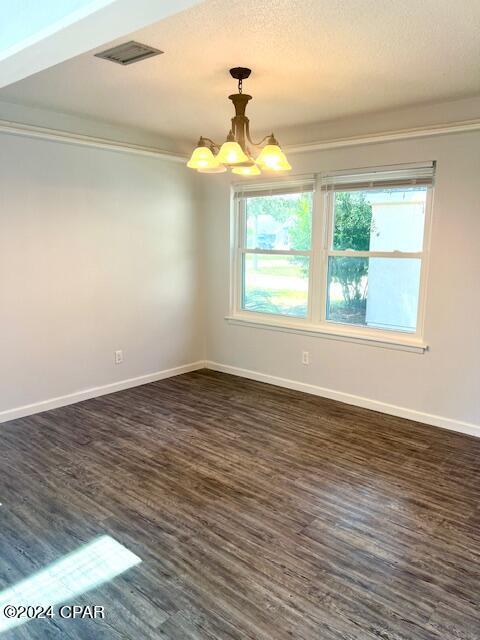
[(319, 267), (312, 275)]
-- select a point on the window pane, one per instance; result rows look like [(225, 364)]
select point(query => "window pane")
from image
[(379, 219), (381, 293), (276, 284), (279, 222)]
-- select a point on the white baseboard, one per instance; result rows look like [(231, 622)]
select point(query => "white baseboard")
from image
[(94, 392), (348, 398)]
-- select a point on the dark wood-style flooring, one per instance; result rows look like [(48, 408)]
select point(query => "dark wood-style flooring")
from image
[(258, 513)]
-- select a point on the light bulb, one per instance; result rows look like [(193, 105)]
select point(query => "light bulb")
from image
[(272, 158), (202, 158), (247, 171), (231, 153)]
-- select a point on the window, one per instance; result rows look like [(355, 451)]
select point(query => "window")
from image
[(340, 254), (276, 253)]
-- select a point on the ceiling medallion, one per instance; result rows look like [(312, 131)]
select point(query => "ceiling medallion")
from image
[(235, 153)]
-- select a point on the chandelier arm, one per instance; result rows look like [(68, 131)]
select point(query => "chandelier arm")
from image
[(255, 144), (212, 142)]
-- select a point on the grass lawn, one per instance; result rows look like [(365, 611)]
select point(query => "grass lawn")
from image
[(276, 284)]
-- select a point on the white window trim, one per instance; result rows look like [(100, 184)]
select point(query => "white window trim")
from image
[(321, 240)]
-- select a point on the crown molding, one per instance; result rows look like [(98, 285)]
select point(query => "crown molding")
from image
[(387, 136), (66, 137), (55, 135)]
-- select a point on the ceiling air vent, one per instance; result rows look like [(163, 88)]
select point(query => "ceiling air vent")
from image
[(129, 52)]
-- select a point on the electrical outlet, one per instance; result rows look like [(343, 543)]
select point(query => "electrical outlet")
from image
[(305, 357), (118, 356)]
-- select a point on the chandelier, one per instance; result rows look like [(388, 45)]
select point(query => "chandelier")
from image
[(236, 152)]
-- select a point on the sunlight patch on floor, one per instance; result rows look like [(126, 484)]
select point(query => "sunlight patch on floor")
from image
[(88, 567)]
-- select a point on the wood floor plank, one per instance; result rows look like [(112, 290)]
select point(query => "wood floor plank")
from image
[(258, 513)]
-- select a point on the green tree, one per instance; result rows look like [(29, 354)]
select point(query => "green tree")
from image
[(352, 229), (353, 221), (300, 232), (279, 207), (353, 224)]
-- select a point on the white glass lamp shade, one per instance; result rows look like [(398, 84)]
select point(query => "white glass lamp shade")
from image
[(202, 158), (218, 168), (247, 171), (231, 153), (272, 158)]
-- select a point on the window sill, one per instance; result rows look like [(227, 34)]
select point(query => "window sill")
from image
[(380, 339)]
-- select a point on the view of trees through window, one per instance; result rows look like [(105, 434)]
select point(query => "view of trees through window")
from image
[(278, 283), (380, 289), (351, 231)]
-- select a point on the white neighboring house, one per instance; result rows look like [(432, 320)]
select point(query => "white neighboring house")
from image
[(271, 234), (397, 225)]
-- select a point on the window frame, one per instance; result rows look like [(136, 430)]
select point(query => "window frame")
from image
[(242, 250), (315, 322)]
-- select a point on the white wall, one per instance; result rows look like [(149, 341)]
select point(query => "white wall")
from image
[(102, 251), (443, 384), (421, 115), (99, 251)]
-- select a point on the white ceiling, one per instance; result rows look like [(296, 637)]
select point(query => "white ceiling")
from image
[(312, 60)]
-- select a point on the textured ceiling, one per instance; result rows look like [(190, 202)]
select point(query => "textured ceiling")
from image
[(312, 60)]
